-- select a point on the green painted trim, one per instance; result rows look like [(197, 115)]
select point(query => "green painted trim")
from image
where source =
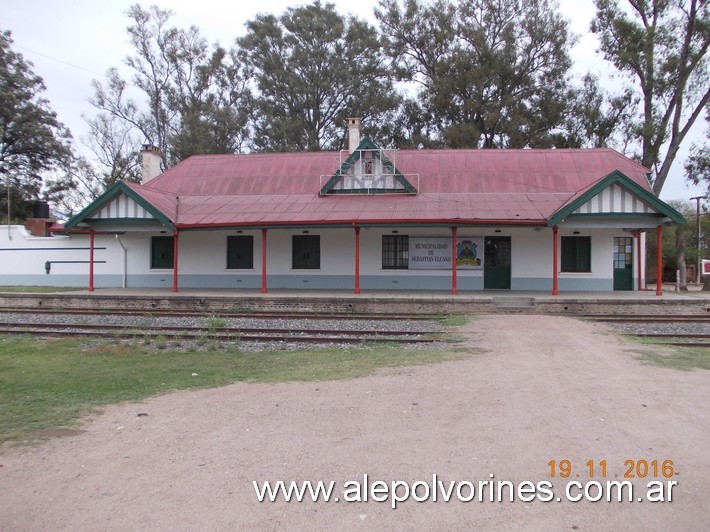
[(614, 216), (367, 144), (365, 191), (127, 221), (119, 187), (617, 177)]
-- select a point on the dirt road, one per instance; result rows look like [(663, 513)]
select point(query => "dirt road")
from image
[(546, 388)]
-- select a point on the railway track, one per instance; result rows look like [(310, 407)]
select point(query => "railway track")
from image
[(249, 334), (678, 339), (648, 318), (167, 313), (638, 326)]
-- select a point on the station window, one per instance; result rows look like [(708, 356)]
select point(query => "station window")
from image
[(306, 252), (161, 252), (395, 252), (576, 254), (240, 252)]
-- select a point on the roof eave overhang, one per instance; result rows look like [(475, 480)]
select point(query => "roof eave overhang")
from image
[(459, 222)]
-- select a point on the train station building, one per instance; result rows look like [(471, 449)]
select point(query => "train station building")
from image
[(368, 219)]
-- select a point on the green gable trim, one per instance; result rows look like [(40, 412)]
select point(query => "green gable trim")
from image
[(366, 144), (615, 215), (617, 177), (356, 191), (126, 221), (106, 197)]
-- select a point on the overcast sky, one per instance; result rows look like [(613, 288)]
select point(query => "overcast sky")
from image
[(71, 42)]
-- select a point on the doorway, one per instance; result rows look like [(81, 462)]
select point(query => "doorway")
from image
[(496, 263), (623, 263)]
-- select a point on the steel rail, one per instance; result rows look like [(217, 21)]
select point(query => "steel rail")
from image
[(671, 318), (210, 330), (376, 338), (217, 313), (669, 335)]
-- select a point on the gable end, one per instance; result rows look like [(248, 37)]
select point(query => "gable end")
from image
[(367, 170), (616, 199), (616, 194), (120, 202)]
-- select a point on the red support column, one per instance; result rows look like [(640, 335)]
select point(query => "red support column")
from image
[(659, 261), (555, 268), (454, 280), (175, 260), (91, 260), (638, 260), (357, 260), (263, 261)]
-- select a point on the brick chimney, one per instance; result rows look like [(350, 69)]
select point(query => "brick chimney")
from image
[(354, 127), (150, 163), (39, 224)]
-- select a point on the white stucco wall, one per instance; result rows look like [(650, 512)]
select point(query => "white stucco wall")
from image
[(23, 259), (202, 260)]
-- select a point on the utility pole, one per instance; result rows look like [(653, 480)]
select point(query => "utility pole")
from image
[(697, 202), (7, 180)]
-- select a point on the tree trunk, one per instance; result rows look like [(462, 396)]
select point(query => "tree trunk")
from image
[(680, 257)]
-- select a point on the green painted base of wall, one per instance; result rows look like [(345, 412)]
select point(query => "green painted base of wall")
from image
[(100, 281), (305, 282)]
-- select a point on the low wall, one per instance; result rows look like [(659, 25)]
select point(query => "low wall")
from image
[(359, 304)]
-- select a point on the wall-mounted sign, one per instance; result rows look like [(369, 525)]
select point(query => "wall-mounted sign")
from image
[(469, 253), (429, 253), (435, 253), (705, 267)]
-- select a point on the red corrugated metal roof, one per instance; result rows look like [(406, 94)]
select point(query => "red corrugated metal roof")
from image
[(467, 185)]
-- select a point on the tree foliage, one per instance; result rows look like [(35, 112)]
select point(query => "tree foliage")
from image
[(491, 73), (689, 239), (697, 166), (660, 45), (312, 68), (32, 140), (194, 96), (595, 118)]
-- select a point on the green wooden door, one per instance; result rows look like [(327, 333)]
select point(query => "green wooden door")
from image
[(623, 263), (161, 252), (496, 263)]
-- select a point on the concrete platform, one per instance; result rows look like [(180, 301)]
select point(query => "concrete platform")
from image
[(345, 302)]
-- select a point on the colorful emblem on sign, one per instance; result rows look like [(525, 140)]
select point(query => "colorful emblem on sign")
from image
[(467, 253)]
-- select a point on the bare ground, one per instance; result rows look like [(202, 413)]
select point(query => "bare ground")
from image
[(546, 388)]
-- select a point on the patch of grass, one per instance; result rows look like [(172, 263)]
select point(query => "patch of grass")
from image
[(40, 289), (216, 322), (664, 355), (454, 338), (49, 384), (682, 358), (454, 320), (160, 342)]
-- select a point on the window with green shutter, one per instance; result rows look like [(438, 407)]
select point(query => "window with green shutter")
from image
[(576, 254), (240, 252), (306, 252), (161, 252)]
